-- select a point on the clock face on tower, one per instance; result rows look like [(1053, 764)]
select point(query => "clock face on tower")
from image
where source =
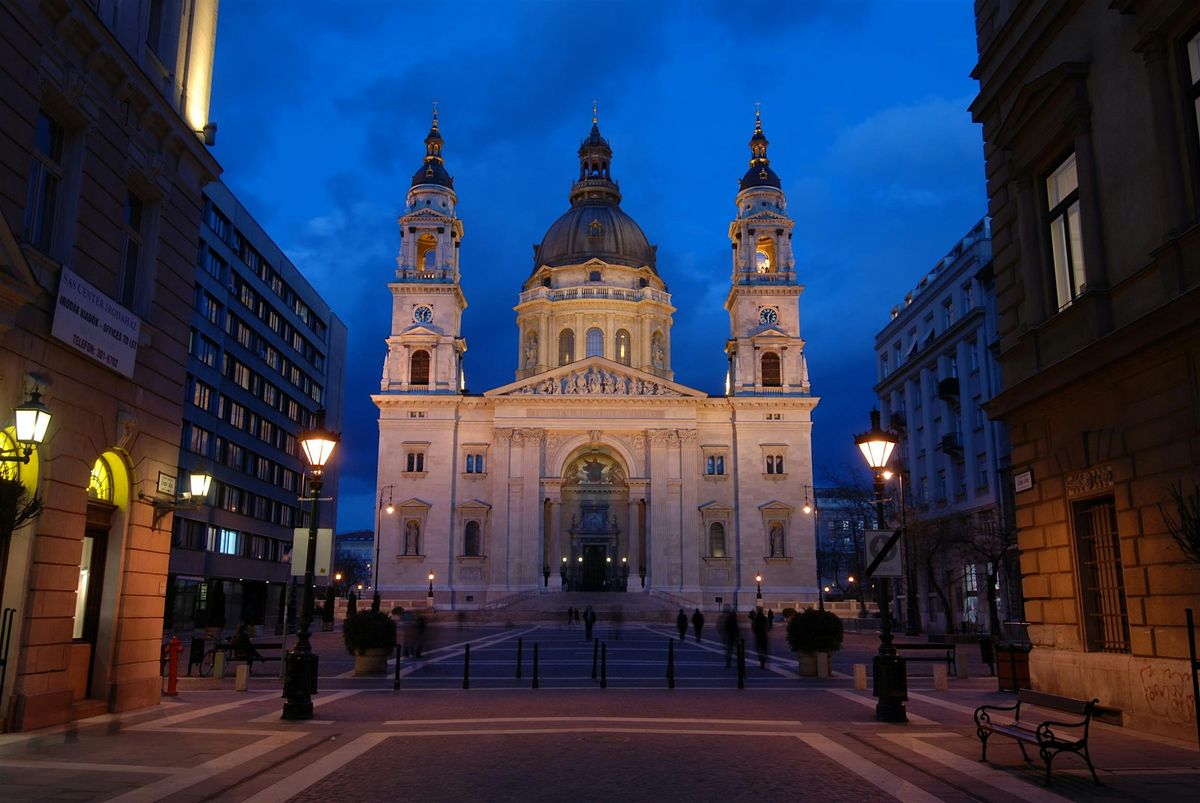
[(767, 315), (423, 314)]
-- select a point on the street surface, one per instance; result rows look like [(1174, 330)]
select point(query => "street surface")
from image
[(782, 738)]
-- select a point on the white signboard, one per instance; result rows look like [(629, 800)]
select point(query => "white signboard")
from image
[(875, 541), (1023, 481), (94, 325), (300, 551)]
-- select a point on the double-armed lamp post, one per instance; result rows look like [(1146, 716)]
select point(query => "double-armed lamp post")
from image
[(890, 674), (300, 675)]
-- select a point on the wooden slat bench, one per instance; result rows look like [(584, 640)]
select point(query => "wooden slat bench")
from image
[(940, 652), (1051, 736)]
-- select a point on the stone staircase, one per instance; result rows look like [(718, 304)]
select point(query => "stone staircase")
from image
[(635, 607)]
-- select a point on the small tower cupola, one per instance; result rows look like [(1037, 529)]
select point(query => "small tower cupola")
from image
[(760, 173), (595, 184), (433, 169)]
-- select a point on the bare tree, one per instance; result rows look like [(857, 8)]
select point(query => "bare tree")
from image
[(1182, 518), (17, 506), (990, 543), (941, 543)]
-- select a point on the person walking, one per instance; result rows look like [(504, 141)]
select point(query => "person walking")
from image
[(758, 625), (681, 623), (698, 623), (730, 632), (570, 616), (589, 620)]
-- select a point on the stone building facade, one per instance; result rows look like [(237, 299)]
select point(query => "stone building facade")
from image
[(937, 370), (1089, 112), (105, 107), (595, 469)]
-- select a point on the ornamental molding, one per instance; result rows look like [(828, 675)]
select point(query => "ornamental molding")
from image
[(595, 377), (1090, 481)]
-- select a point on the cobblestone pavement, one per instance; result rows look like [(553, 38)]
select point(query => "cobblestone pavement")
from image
[(781, 738)]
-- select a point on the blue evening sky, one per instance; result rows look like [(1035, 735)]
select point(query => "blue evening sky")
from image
[(323, 106)]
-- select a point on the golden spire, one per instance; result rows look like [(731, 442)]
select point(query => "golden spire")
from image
[(757, 118), (435, 120), (595, 117)]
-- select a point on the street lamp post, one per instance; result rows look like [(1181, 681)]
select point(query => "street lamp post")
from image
[(431, 589), (758, 594), (379, 507), (912, 608), (890, 673), (300, 675)]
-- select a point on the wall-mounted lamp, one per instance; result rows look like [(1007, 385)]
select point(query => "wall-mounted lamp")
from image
[(208, 134), (809, 504), (32, 420), (199, 481)]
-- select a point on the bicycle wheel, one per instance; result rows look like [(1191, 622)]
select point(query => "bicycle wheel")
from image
[(206, 664)]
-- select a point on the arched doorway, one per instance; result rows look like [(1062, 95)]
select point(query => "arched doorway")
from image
[(595, 504)]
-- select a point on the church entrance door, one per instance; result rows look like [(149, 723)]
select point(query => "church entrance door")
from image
[(594, 569)]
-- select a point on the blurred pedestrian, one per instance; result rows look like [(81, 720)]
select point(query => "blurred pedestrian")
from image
[(419, 636), (618, 619), (758, 626), (462, 618), (730, 632), (698, 623), (770, 618), (589, 621), (681, 623), (570, 616)]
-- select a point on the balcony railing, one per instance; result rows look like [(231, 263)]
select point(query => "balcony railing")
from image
[(444, 274), (607, 293), (947, 390), (951, 442)]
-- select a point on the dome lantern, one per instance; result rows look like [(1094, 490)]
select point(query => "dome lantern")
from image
[(433, 169), (760, 173)]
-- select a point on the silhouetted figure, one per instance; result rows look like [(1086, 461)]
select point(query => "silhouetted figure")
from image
[(770, 618), (681, 622), (589, 621), (698, 623), (570, 616), (618, 619), (351, 604), (577, 619), (758, 626), (462, 618), (730, 632), (419, 636), (243, 648)]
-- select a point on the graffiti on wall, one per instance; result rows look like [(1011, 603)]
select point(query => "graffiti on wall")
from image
[(1168, 692)]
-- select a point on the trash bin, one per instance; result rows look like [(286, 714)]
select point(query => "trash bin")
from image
[(196, 654), (1012, 666), (987, 654)]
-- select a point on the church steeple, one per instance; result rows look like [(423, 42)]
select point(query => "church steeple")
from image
[(760, 173), (433, 170), (595, 184)]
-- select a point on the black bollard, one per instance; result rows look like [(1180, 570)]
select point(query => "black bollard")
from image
[(519, 645), (741, 664), (535, 665), (604, 665), (671, 663), (396, 682), (595, 655), (467, 667)]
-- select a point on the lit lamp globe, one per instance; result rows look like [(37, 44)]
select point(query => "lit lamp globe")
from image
[(33, 419), (876, 444), (318, 445), (199, 482)]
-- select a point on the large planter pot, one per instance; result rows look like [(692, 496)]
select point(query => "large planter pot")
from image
[(371, 661), (808, 664)]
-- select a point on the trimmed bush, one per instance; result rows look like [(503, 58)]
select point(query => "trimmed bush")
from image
[(788, 613), (369, 630), (814, 631)]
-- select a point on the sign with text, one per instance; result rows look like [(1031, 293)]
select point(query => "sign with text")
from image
[(1023, 481), (300, 551), (875, 541), (94, 325)]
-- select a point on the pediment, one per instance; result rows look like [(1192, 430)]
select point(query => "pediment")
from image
[(474, 504), (596, 377), (409, 504), (775, 506), (771, 331), (422, 329), (714, 507)]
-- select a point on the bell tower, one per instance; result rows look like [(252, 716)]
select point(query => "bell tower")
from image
[(426, 347), (765, 351)]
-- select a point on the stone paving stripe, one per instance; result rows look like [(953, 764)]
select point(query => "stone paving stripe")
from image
[(175, 719), (976, 770), (177, 783), (872, 773), (82, 766), (297, 782), (962, 709), (452, 651), (320, 699), (777, 723), (870, 701)]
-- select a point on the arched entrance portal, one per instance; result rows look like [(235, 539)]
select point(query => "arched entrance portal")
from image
[(595, 497)]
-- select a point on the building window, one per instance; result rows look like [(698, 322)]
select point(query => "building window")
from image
[(100, 485), (947, 313), (716, 540), (594, 342), (418, 368), (216, 221), (1101, 578), (973, 355), (981, 479), (623, 347), (883, 366), (772, 375), (1066, 239), (412, 537), (472, 547), (566, 347), (127, 282), (475, 463), (774, 464), (714, 465), (201, 395), (45, 179), (199, 440), (414, 462)]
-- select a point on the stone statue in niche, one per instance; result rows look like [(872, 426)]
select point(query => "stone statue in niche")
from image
[(412, 537), (531, 350), (658, 354), (776, 540)]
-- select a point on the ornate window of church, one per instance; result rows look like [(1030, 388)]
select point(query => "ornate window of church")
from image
[(472, 540), (426, 252), (566, 347), (595, 342), (772, 373), (764, 255), (716, 540), (418, 368), (714, 461), (414, 457), (474, 459), (773, 462), (100, 485), (623, 347)]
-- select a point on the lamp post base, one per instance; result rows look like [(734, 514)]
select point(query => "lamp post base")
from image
[(891, 687), (299, 685)]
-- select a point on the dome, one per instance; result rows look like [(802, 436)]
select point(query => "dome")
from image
[(594, 230), (760, 173)]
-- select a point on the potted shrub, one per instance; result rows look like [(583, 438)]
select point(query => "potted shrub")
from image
[(812, 633), (370, 636)]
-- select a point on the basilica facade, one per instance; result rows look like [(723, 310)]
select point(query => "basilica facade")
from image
[(594, 470)]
